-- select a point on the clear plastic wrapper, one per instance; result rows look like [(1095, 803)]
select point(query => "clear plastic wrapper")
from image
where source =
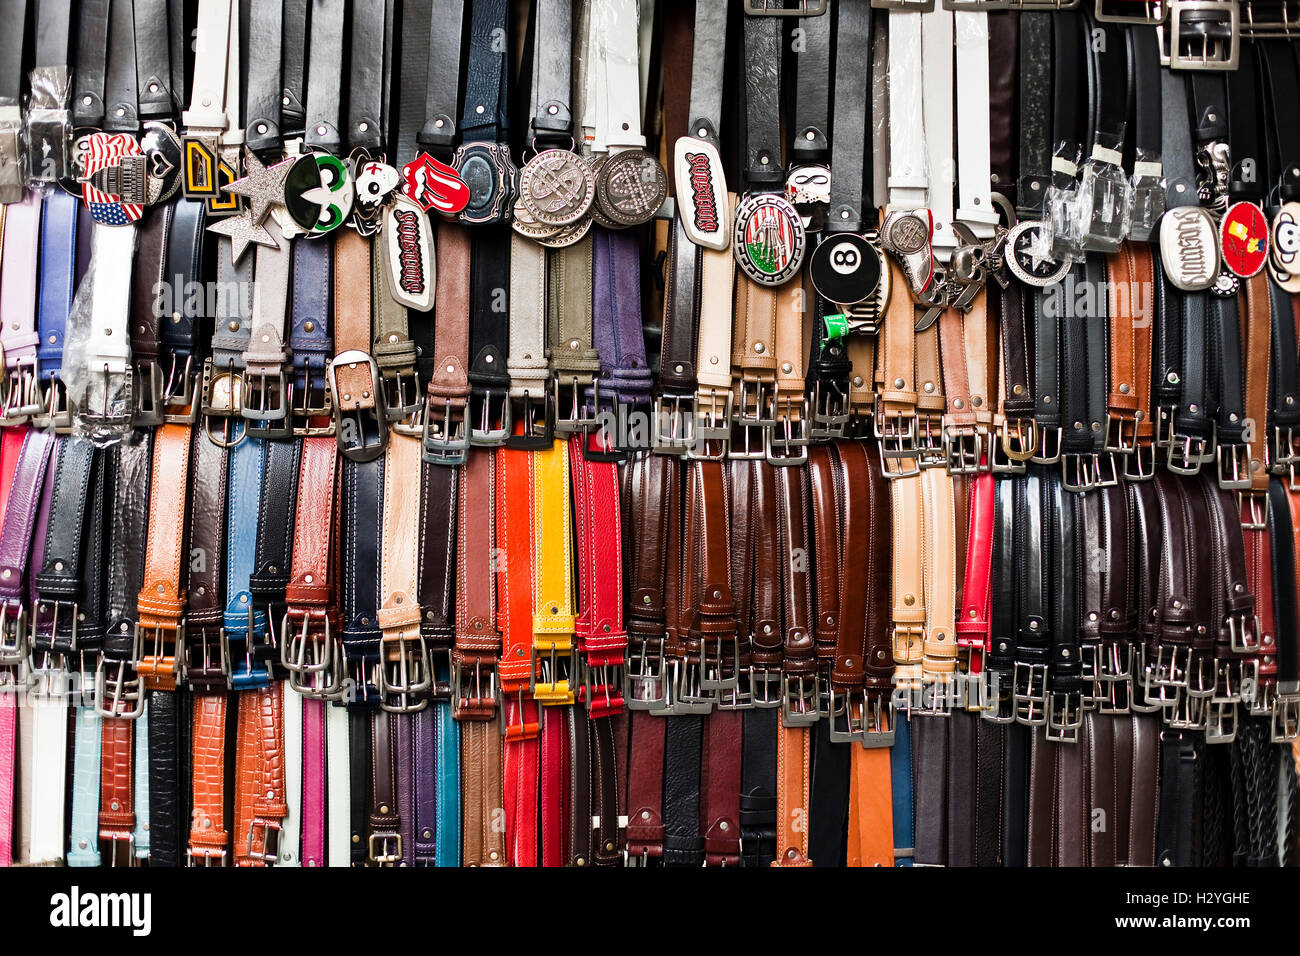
[(12, 176), (1064, 217), (1148, 196), (1105, 196), (96, 350), (49, 125)]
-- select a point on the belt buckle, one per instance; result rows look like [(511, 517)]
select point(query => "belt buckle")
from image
[(602, 697), (1170, 669), (896, 436), (997, 700), (672, 424), (712, 426), (1110, 11), (1243, 633), (765, 687), (931, 452), (877, 722), (1186, 712), (150, 396), (1064, 717), (1141, 464), (938, 694), (271, 832), (1259, 703), (265, 404), (1220, 722), (1233, 469), (643, 678), (1219, 52), (207, 659), (444, 440), (573, 417), (13, 633), (1187, 453), (54, 608), (687, 696), (551, 679), (1253, 507), (180, 392), (714, 675), (758, 394), (160, 661), (205, 856), (799, 700), (314, 677), (535, 413), (1286, 713), (904, 6), (963, 449), (402, 400), (1080, 471), (1258, 25), (385, 847), (223, 398), (22, 396), (1017, 440), (352, 415), (830, 411), (778, 8), (469, 681), (56, 412), (1227, 681), (120, 695), (850, 706), (405, 674), (303, 413), (1029, 693), (1048, 451), (1283, 451), (787, 440), (489, 426), (1121, 434), (1115, 662)]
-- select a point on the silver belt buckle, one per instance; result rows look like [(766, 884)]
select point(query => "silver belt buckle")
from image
[(1189, 39), (672, 424), (778, 8), (405, 674)]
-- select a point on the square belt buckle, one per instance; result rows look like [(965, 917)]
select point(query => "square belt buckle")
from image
[(1200, 35), (1271, 19)]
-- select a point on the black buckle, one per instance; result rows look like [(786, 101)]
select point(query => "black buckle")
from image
[(535, 413), (1200, 35), (444, 440)]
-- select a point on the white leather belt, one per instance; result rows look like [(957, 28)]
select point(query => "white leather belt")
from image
[(614, 37), (936, 108), (339, 787), (291, 825), (908, 182), (974, 185)]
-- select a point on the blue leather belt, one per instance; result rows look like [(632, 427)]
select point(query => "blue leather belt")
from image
[(245, 624)]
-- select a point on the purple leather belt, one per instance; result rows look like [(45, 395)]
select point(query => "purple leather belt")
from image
[(20, 521), (617, 334)]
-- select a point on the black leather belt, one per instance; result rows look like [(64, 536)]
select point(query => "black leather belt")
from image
[(265, 92), (324, 72)]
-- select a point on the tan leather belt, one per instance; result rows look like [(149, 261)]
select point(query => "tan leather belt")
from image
[(713, 396)]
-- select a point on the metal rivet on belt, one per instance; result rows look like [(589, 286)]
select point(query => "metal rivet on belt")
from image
[(1096, 426), (645, 814), (606, 628), (713, 360), (791, 854), (1178, 605), (717, 595), (958, 403), (722, 825), (383, 809), (787, 367), (1018, 389), (898, 383), (909, 599), (309, 326), (573, 345), (365, 622), (114, 805), (1065, 652), (760, 348), (233, 326), (1114, 615), (857, 381), (767, 628), (976, 401), (1290, 399), (578, 862), (519, 652), (880, 653), (1172, 378), (1193, 408), (1200, 628), (972, 614), (1092, 615), (1047, 399), (1033, 625), (1078, 426)]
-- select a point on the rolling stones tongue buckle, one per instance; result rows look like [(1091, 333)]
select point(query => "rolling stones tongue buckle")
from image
[(630, 187), (1189, 248), (435, 186), (557, 187), (1243, 237), (701, 193), (1284, 247), (408, 242), (769, 238), (318, 193), (113, 178)]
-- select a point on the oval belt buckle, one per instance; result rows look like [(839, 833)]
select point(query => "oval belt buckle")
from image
[(769, 238)]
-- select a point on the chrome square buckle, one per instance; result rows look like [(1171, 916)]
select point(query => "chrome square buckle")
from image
[(475, 689), (1064, 717), (1254, 510), (569, 402), (1220, 721), (997, 693), (21, 398), (896, 436), (1121, 434), (266, 394), (1186, 712), (307, 654), (720, 659), (1080, 472), (1200, 35), (405, 674), (552, 676), (844, 714), (1141, 464), (686, 695), (268, 848), (751, 419), (150, 397), (644, 687), (180, 405), (403, 400), (799, 699), (672, 424), (1270, 18), (1233, 466), (1029, 693), (1286, 713), (117, 690), (830, 411), (1186, 454), (489, 417), (930, 449), (764, 687), (788, 438), (13, 633), (444, 439), (1048, 450), (963, 449), (712, 430)]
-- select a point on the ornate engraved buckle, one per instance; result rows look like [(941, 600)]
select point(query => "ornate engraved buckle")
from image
[(118, 694), (799, 700), (1064, 716), (712, 431), (444, 440), (751, 419), (1029, 693), (405, 673), (1200, 35), (672, 424), (361, 427), (788, 438), (533, 409)]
